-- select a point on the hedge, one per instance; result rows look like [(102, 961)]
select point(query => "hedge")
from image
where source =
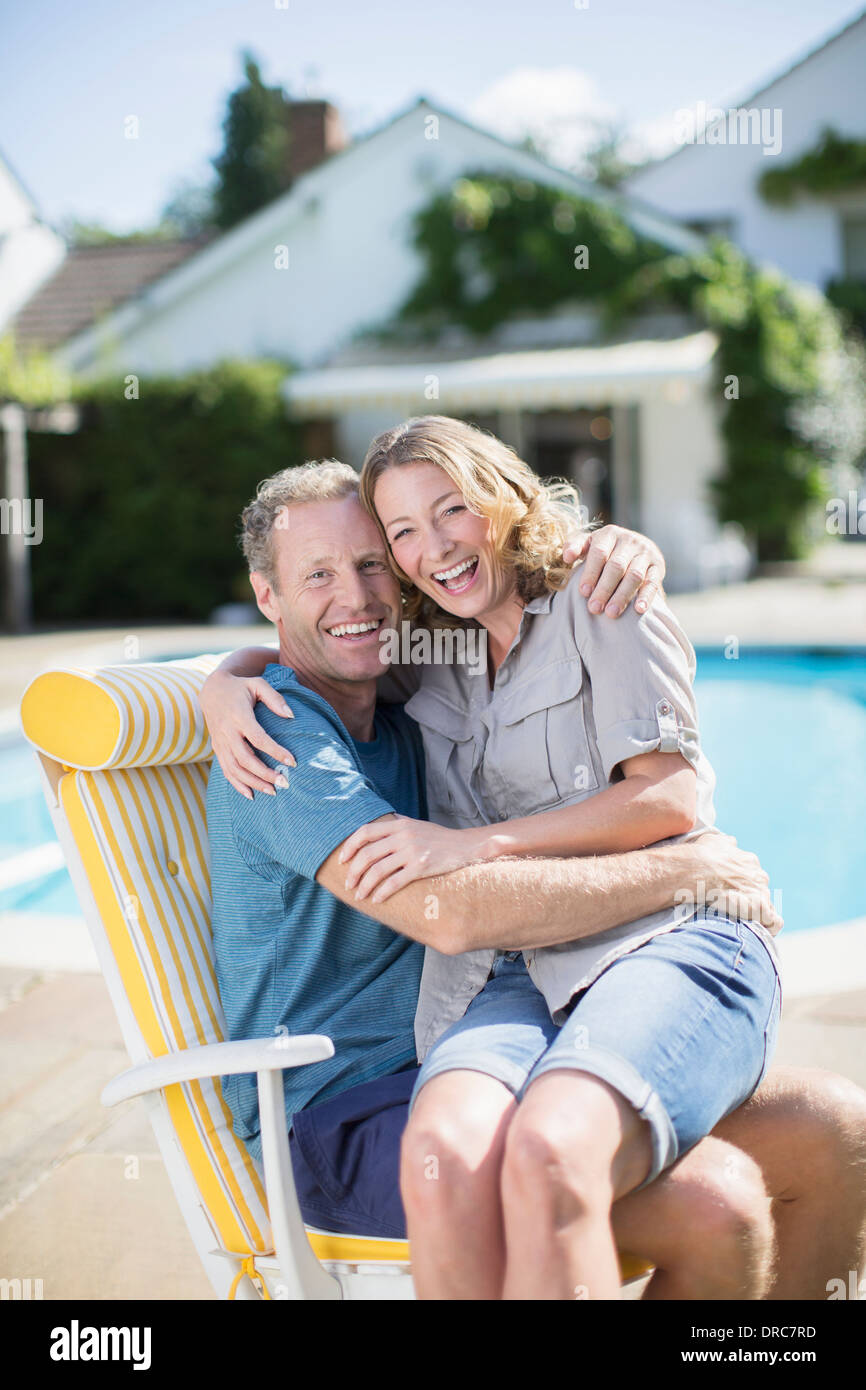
[(141, 504)]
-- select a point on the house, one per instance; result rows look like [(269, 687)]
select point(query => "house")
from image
[(29, 249), (711, 182), (633, 422)]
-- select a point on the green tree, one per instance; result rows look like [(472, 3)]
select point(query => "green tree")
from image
[(253, 167), (605, 160), (189, 211)]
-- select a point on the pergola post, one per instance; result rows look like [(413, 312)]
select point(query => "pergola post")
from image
[(20, 514), (19, 607)]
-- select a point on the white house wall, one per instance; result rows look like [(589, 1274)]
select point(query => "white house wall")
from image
[(715, 182), (680, 450), (29, 250)]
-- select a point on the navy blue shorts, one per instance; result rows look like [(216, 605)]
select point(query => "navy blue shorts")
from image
[(346, 1158)]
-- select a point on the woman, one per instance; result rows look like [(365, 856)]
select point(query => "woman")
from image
[(587, 731)]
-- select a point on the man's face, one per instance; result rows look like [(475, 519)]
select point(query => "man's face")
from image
[(333, 573)]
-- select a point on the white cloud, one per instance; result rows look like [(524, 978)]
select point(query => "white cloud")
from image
[(651, 139), (561, 108)]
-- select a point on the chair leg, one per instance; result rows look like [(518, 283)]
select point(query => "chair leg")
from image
[(303, 1275)]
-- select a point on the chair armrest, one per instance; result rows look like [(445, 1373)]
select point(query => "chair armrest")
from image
[(218, 1059), (303, 1277)]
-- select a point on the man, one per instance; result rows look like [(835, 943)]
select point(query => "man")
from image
[(292, 952)]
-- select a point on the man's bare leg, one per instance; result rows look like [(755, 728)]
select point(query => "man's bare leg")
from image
[(806, 1129), (705, 1224)]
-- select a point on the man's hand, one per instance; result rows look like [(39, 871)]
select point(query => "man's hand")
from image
[(617, 566), (735, 882)]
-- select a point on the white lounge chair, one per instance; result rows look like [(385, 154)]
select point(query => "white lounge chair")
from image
[(125, 756)]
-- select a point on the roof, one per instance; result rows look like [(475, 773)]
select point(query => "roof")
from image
[(750, 100), (16, 178), (91, 281), (553, 378), (274, 217)]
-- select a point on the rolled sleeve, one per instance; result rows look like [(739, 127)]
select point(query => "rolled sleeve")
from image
[(641, 670)]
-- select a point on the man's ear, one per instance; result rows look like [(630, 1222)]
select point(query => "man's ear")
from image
[(264, 596)]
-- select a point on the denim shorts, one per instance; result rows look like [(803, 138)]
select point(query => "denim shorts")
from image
[(683, 1027)]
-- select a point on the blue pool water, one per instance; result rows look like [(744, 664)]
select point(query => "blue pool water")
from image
[(784, 730), (786, 734)]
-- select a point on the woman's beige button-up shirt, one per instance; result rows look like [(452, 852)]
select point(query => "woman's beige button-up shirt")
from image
[(575, 696)]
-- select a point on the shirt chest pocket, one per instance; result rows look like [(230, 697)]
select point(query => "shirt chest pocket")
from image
[(449, 757), (539, 754)]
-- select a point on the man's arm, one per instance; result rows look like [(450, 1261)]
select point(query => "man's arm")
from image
[(522, 903)]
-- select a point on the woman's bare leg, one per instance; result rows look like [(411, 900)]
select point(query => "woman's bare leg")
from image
[(574, 1146), (450, 1164), (702, 1222)]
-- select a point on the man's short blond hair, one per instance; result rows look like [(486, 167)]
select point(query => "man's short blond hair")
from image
[(320, 480)]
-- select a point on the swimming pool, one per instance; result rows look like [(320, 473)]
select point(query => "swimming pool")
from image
[(785, 730)]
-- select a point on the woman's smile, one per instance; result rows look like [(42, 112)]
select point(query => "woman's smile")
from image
[(459, 577)]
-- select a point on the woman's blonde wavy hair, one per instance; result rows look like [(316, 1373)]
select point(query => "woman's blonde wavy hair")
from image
[(531, 517)]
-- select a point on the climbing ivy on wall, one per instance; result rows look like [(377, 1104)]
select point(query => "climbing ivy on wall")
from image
[(834, 165)]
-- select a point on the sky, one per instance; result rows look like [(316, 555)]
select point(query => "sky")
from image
[(72, 71)]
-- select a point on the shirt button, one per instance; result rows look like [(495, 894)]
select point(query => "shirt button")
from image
[(664, 707), (172, 868)]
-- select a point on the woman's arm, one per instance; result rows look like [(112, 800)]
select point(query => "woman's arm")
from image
[(655, 800), (640, 675)]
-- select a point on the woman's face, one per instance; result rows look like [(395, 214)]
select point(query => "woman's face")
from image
[(443, 548)]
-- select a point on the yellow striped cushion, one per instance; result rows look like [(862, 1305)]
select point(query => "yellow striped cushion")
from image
[(142, 836), (120, 716)]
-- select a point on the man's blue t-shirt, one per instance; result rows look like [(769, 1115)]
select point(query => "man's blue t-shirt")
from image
[(290, 957)]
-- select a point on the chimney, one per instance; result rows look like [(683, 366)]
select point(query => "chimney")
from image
[(316, 131)]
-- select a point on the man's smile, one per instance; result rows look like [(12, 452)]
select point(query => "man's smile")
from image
[(359, 632)]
